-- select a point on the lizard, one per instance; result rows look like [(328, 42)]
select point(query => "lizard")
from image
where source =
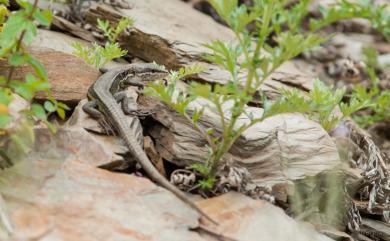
[(104, 97)]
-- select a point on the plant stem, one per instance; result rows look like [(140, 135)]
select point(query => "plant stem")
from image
[(201, 130), (20, 40)]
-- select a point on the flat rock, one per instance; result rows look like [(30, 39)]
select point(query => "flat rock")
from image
[(70, 76), (111, 144), (352, 44), (376, 229), (243, 218), (59, 194)]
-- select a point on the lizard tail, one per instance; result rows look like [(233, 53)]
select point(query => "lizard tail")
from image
[(152, 172), (157, 177)]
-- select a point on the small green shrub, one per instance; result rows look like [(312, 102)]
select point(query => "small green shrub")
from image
[(252, 54), (18, 30), (378, 15), (97, 55), (319, 104)]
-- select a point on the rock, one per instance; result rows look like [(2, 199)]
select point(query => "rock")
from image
[(376, 229), (67, 26), (167, 36), (384, 59), (281, 148), (352, 44), (11, 149), (17, 105), (112, 145), (243, 218), (59, 194), (70, 76)]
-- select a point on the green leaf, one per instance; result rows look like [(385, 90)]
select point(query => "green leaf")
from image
[(16, 23), (30, 33), (22, 89), (5, 96), (224, 9), (122, 25), (112, 33), (197, 114), (98, 56), (24, 4), (61, 113), (3, 13), (49, 106), (44, 17), (38, 67), (201, 90), (63, 106), (209, 131), (17, 59), (208, 183), (38, 111), (51, 127), (5, 119), (20, 143), (202, 168), (5, 2)]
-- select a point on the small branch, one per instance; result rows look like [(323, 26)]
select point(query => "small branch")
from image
[(20, 40), (221, 114)]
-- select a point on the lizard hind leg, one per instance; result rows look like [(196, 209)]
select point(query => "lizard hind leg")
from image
[(91, 108)]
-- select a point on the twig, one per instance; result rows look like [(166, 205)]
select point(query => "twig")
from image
[(19, 43)]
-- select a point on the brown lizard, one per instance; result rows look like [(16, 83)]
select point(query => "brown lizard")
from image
[(104, 96)]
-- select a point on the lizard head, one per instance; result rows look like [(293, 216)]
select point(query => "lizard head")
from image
[(149, 71)]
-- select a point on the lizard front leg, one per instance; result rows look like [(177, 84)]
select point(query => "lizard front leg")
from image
[(129, 105), (91, 108), (133, 81)]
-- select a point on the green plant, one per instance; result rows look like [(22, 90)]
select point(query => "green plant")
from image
[(371, 60), (250, 54), (379, 105), (112, 33), (97, 55), (378, 15), (379, 108), (319, 104), (18, 31)]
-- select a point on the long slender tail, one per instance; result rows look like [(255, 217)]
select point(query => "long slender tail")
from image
[(157, 177)]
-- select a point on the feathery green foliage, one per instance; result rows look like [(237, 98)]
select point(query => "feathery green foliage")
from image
[(378, 15), (17, 32), (251, 54), (379, 105), (319, 104), (97, 55), (112, 33)]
